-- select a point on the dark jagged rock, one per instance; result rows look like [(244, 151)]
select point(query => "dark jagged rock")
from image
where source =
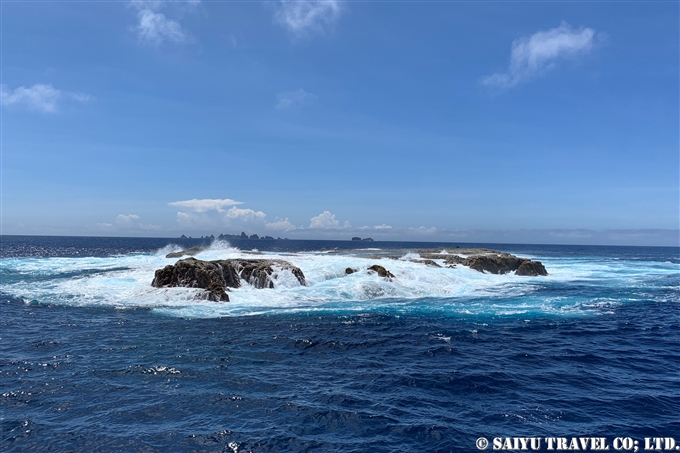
[(531, 268), (216, 276), (368, 239), (258, 272), (193, 273), (480, 259), (349, 270), (355, 238), (254, 236), (190, 252), (244, 235), (499, 263), (382, 272), (182, 237), (268, 238)]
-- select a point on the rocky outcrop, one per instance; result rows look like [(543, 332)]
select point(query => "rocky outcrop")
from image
[(216, 276), (350, 270), (381, 271), (355, 238), (499, 263), (531, 268), (480, 259), (190, 252)]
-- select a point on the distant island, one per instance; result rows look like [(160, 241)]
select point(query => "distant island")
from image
[(243, 235)]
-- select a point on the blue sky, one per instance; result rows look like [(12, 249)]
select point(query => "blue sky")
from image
[(330, 119)]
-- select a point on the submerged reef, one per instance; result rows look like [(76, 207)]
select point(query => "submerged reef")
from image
[(216, 276)]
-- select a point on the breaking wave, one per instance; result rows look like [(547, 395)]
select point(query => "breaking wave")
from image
[(575, 285)]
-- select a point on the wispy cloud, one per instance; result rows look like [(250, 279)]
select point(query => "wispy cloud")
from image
[(126, 219), (154, 27), (532, 56), (205, 204), (298, 98), (302, 17), (129, 222), (40, 97)]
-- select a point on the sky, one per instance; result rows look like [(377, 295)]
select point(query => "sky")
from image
[(544, 122)]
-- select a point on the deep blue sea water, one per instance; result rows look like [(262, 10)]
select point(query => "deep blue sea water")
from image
[(93, 359)]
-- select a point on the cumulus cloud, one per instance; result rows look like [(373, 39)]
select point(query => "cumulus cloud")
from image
[(205, 204), (327, 220), (303, 17), (154, 27), (288, 99), (324, 220), (534, 55), (245, 214), (41, 97), (280, 225)]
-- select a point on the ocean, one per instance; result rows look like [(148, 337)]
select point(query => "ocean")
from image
[(94, 359)]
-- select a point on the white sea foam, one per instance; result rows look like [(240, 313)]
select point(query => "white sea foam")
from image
[(125, 282)]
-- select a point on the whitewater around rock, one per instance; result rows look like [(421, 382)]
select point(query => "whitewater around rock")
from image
[(217, 276)]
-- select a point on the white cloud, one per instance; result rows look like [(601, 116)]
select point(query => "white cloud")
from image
[(281, 225), (302, 17), (204, 205), (324, 220), (297, 98), (327, 221), (129, 221), (382, 227), (154, 27), (126, 219), (41, 97), (532, 56), (245, 214), (423, 230)]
